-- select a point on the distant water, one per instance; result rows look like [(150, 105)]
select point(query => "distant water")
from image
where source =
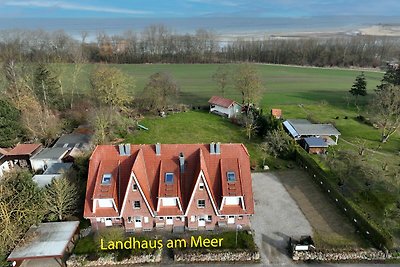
[(222, 26)]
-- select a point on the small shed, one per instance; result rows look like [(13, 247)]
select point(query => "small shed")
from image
[(20, 155), (224, 106), (276, 113), (314, 145), (301, 128), (55, 171), (48, 244)]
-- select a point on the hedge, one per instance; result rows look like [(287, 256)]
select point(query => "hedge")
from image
[(377, 235)]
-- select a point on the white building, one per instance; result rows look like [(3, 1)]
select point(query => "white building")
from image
[(224, 106)]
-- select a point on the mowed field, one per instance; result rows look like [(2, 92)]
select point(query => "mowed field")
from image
[(281, 84)]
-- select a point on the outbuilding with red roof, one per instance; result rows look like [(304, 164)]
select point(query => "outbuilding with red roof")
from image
[(224, 106)]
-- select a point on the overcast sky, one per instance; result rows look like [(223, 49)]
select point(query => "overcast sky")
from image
[(197, 8)]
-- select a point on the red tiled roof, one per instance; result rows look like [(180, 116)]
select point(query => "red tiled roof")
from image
[(220, 101), (149, 169), (276, 112), (4, 151), (24, 149)]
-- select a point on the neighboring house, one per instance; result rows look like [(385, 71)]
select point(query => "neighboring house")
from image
[(5, 164), (55, 171), (22, 153), (224, 106), (48, 244), (301, 128), (171, 186), (276, 113), (314, 145), (74, 140), (48, 156)]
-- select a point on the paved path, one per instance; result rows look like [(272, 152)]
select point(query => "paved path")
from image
[(277, 217)]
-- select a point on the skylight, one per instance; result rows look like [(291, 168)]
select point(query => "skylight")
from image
[(106, 178), (169, 178), (231, 176)]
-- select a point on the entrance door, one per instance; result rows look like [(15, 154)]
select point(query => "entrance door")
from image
[(108, 222), (169, 221), (201, 221), (138, 222), (231, 219)]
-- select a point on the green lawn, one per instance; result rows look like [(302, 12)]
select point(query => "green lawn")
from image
[(193, 127)]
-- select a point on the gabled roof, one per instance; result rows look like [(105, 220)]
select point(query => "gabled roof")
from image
[(78, 140), (301, 127), (3, 152), (220, 101), (24, 149), (149, 170), (52, 153)]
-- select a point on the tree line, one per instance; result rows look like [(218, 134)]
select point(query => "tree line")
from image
[(158, 44)]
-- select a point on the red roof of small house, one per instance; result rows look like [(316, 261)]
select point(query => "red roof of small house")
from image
[(277, 113), (220, 101), (4, 151), (149, 169), (24, 149)]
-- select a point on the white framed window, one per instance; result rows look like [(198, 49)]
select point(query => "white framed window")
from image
[(209, 218), (146, 219), (240, 217), (134, 187), (161, 218), (129, 219), (169, 218), (192, 218), (201, 203), (136, 204)]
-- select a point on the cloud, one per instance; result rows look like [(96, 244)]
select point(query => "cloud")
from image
[(71, 6), (216, 2)]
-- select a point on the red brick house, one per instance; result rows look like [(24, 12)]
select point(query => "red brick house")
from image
[(169, 186)]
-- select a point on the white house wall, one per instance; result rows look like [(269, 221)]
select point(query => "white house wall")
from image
[(230, 112)]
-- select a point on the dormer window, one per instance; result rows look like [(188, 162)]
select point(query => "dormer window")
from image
[(231, 176), (106, 179), (169, 178)]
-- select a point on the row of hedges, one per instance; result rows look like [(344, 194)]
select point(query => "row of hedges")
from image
[(377, 235)]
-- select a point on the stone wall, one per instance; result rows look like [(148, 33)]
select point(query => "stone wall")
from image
[(332, 256), (216, 256), (80, 260)]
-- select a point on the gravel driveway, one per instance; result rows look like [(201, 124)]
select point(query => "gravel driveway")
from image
[(277, 217)]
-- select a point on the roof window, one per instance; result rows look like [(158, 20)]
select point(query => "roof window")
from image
[(231, 176), (169, 178), (106, 179)]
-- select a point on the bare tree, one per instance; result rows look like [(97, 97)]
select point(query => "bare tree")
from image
[(248, 83), (160, 91), (221, 77), (386, 106), (61, 198)]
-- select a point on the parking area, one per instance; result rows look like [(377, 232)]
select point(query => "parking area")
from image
[(277, 217)]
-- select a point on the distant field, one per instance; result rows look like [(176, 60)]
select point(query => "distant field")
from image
[(282, 84)]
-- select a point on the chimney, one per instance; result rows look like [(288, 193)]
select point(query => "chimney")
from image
[(212, 148), (121, 150), (127, 149), (218, 148), (182, 162), (158, 149)]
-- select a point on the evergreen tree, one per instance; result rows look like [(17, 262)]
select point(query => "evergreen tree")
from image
[(47, 88), (10, 126), (391, 77), (359, 87)]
